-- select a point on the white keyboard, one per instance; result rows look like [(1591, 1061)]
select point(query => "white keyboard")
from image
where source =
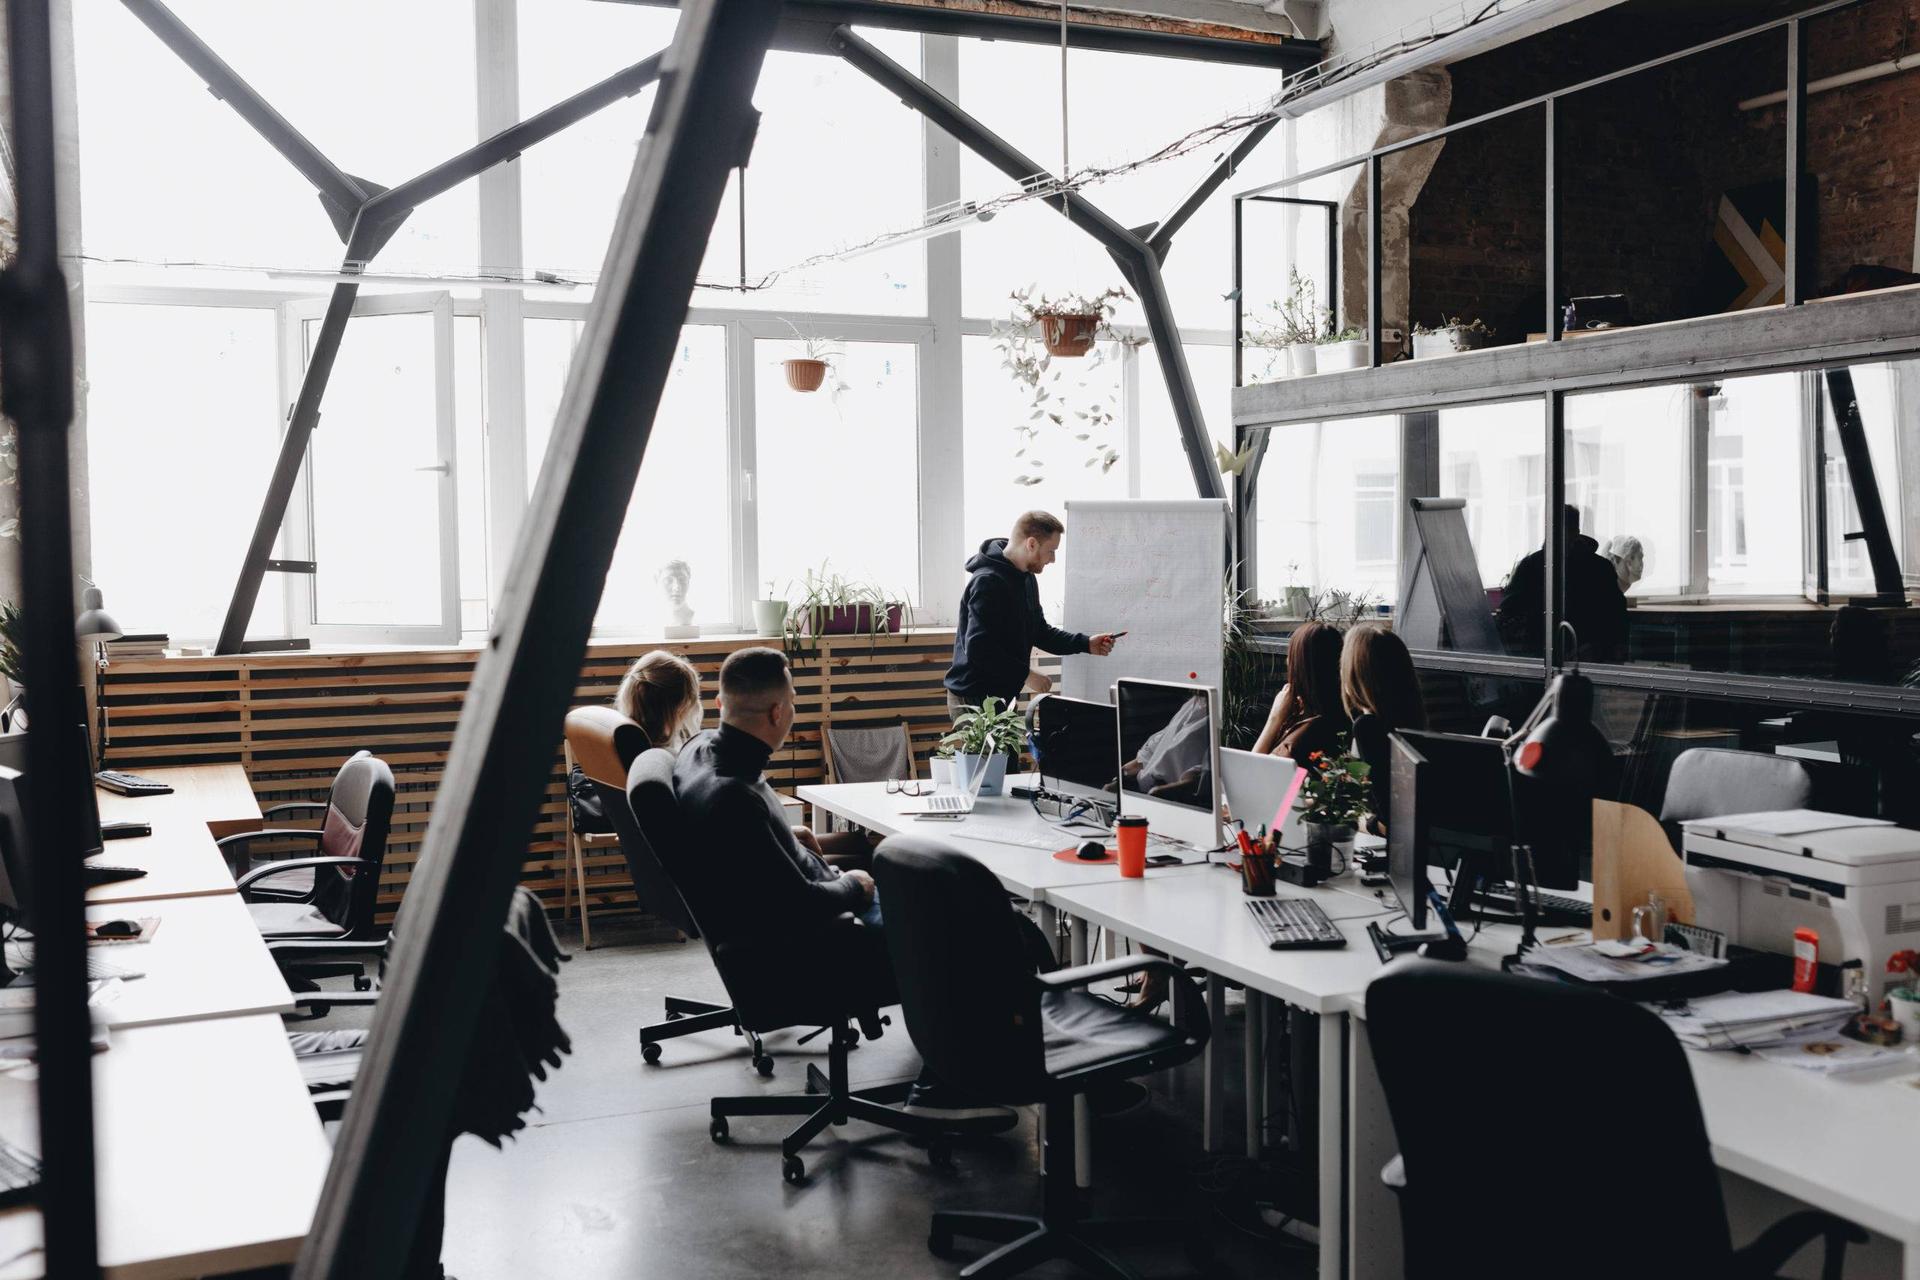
[(1007, 833)]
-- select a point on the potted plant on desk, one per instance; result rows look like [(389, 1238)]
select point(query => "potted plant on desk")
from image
[(984, 737), (1334, 795)]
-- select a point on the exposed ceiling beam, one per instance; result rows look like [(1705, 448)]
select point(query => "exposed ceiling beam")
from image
[(806, 24)]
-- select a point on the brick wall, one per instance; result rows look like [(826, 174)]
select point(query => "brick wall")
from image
[(1645, 160)]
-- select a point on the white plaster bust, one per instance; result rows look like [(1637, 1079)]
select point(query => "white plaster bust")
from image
[(1629, 559)]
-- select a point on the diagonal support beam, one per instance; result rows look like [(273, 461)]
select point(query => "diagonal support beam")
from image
[(1888, 585), (395, 1130), (36, 392), (1161, 239), (1136, 258)]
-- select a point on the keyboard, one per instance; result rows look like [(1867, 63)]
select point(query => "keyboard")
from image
[(100, 873), (1007, 833), (19, 1174), (130, 784), (20, 956), (1295, 924), (1552, 908)]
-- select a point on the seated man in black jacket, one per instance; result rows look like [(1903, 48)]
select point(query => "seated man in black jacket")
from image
[(780, 881)]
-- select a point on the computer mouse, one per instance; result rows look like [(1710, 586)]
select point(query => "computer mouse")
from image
[(117, 929), (1093, 851)]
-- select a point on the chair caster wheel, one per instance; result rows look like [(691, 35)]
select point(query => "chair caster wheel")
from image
[(717, 1130), (650, 1052), (319, 1010), (763, 1063), (793, 1170), (940, 1154), (363, 983)]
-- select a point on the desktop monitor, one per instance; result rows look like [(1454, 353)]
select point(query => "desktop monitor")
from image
[(1406, 841), (1073, 743), (1169, 757), (13, 755), (15, 888)]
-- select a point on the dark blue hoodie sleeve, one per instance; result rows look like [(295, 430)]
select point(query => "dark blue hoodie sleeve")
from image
[(1046, 636)]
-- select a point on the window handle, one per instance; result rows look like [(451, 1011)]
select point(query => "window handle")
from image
[(444, 468)]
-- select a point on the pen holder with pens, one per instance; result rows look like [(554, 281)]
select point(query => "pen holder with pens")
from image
[(1256, 869)]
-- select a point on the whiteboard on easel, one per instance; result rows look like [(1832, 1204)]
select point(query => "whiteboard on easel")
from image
[(1155, 570)]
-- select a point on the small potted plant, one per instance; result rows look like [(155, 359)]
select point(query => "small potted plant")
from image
[(1071, 324), (1332, 797), (1341, 349), (941, 765), (12, 666), (1040, 331), (770, 614), (808, 371), (832, 605), (1450, 336), (983, 738), (1302, 320)]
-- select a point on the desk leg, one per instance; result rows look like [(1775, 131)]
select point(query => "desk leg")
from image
[(1254, 1059), (1049, 921), (1214, 1067), (1333, 1131), (1082, 1114)]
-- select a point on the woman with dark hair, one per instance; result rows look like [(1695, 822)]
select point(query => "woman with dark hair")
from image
[(1307, 715), (1381, 691)]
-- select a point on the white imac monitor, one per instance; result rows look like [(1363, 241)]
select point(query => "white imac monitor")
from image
[(1169, 739)]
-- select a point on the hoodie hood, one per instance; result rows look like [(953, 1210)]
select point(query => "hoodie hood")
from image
[(993, 556)]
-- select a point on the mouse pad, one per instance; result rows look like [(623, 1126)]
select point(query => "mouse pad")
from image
[(1073, 855)]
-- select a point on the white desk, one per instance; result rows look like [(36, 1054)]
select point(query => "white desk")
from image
[(180, 857), (210, 1156), (206, 960)]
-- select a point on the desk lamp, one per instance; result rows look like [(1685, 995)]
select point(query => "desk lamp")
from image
[(95, 626)]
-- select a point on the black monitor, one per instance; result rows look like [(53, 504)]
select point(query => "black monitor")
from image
[(13, 755), (1406, 847), (1074, 741), (15, 862)]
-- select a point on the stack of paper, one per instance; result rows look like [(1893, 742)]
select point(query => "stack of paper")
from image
[(1830, 1054), (1615, 962), (1755, 1019)]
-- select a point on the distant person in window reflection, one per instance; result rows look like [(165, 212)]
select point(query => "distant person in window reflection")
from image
[(1858, 639), (1001, 622), (1629, 560), (1307, 714), (1595, 604), (1381, 692), (1174, 763)]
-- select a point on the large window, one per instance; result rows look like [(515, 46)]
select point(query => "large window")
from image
[(1326, 504)]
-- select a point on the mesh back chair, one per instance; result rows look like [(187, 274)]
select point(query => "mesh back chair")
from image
[(1448, 1040), (341, 883), (605, 744), (859, 753), (827, 974), (1709, 781), (990, 1027)]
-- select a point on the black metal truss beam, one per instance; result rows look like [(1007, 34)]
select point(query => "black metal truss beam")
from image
[(1159, 237), (396, 1126), (806, 26), (36, 392), (1888, 584), (1135, 257), (366, 215)]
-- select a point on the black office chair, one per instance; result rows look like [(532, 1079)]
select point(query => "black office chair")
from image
[(827, 975), (992, 1028), (294, 883), (605, 744), (1471, 1060), (342, 884)]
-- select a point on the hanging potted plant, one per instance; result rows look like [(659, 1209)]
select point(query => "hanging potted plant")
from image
[(985, 737), (808, 371), (1089, 411), (1070, 324), (1450, 336), (1333, 796), (1341, 349)]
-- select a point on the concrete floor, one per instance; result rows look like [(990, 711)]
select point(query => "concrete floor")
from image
[(615, 1174)]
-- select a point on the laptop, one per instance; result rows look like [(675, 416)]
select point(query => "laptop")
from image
[(1259, 789), (947, 802)]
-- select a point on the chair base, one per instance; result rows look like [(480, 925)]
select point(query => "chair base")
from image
[(829, 1101), (685, 1017)]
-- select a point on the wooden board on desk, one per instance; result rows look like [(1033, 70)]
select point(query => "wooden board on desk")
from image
[(210, 1157), (205, 960), (218, 795)]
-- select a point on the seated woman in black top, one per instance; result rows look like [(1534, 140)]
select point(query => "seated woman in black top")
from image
[(1381, 691), (1307, 715)]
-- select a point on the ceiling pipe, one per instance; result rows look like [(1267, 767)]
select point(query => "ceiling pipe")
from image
[(1876, 71)]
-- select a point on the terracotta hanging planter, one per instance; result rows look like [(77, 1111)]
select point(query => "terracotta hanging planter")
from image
[(805, 375), (1068, 335)]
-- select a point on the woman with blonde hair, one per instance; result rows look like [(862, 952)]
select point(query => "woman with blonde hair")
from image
[(661, 694)]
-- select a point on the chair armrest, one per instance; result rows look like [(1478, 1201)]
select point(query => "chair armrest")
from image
[(293, 864), (321, 948), (1190, 1011), (1770, 1251), (343, 998), (241, 839), (319, 806)]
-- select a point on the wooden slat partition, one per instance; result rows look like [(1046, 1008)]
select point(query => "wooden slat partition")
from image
[(291, 718)]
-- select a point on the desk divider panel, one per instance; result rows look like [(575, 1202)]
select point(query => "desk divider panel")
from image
[(291, 718)]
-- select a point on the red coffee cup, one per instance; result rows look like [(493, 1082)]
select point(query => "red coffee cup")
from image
[(1130, 834)]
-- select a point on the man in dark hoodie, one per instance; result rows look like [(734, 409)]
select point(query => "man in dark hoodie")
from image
[(1595, 604), (1001, 623)]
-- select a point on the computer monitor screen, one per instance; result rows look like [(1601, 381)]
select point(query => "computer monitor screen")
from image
[(13, 755), (1074, 741), (1169, 758), (1406, 844), (14, 862)]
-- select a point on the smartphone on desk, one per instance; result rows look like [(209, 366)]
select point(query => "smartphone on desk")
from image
[(1162, 860)]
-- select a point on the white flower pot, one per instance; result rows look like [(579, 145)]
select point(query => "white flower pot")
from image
[(942, 768), (769, 617), (1301, 359), (1342, 355), (1448, 341)]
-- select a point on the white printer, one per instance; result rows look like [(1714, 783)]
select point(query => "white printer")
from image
[(1757, 877)]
